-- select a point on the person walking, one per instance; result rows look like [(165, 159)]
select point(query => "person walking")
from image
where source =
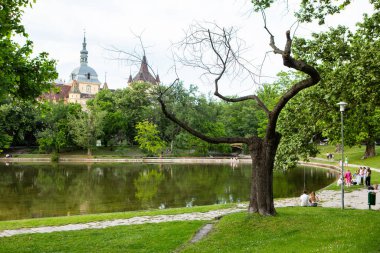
[(346, 161)]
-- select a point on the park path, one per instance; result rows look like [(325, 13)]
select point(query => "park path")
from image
[(356, 199)]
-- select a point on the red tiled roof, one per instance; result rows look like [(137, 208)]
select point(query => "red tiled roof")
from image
[(61, 94)]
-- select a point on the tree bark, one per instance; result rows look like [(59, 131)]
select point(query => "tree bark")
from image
[(338, 148), (89, 152), (370, 149), (263, 154)]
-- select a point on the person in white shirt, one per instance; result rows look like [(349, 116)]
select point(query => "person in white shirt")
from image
[(304, 199)]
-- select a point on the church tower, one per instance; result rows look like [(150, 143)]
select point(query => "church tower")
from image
[(83, 79)]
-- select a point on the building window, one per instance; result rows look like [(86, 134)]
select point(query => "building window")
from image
[(88, 76), (88, 88)]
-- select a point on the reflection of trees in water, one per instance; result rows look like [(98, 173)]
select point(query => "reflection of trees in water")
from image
[(202, 184), (42, 190), (147, 185), (292, 183)]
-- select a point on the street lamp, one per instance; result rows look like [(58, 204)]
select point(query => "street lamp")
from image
[(342, 105)]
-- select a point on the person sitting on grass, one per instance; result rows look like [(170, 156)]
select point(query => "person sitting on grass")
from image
[(340, 181), (313, 199), (304, 199)]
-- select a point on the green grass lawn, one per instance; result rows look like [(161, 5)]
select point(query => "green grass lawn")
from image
[(163, 237), (354, 155), (294, 229)]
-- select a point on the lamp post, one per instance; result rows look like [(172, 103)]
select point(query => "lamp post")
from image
[(342, 106)]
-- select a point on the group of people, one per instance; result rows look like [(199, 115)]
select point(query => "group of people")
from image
[(360, 177), (309, 200)]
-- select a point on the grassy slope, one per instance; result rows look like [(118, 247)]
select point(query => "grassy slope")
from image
[(164, 237), (354, 155), (295, 230)]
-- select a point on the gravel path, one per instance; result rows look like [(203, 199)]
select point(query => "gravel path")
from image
[(356, 199)]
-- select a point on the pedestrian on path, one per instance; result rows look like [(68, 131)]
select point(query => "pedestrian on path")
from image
[(361, 173), (346, 161)]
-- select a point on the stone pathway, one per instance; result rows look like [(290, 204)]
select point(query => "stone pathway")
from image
[(211, 215), (356, 199)]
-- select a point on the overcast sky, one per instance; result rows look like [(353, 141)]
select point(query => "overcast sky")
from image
[(56, 26)]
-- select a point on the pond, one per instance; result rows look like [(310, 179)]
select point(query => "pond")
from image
[(43, 190)]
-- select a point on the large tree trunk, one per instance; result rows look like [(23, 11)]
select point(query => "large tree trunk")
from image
[(338, 148), (370, 150), (263, 154)]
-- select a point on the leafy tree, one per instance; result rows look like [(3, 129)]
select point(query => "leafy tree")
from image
[(87, 128), (18, 122), (349, 64), (148, 137), (55, 133), (223, 47), (20, 75), (123, 110)]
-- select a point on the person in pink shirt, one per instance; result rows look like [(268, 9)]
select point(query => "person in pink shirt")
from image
[(348, 177)]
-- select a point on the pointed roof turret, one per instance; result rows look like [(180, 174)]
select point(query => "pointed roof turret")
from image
[(143, 75)]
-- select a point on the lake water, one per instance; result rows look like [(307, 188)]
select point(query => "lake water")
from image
[(43, 190)]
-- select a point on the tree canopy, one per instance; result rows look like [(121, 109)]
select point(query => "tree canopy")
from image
[(21, 75)]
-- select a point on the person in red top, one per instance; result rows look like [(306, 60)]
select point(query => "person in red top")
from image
[(348, 177)]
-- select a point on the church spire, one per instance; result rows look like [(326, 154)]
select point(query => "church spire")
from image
[(84, 52)]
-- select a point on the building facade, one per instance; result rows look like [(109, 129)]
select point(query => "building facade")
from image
[(83, 83)]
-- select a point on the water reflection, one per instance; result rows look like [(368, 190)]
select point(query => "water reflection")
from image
[(28, 191)]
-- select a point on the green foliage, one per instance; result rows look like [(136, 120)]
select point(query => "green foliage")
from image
[(55, 133), (349, 66), (318, 10), (20, 75), (123, 110), (148, 137), (309, 11), (19, 120), (87, 128), (147, 186)]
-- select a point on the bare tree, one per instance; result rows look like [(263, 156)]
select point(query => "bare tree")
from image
[(226, 53)]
